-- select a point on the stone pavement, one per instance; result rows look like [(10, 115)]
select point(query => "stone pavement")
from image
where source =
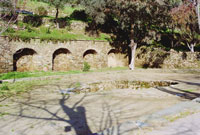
[(44, 111), (185, 126)]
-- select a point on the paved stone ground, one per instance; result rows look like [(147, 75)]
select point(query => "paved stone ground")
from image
[(44, 111), (185, 126)]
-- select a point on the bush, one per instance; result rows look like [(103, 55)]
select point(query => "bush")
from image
[(86, 67), (79, 15), (35, 21), (4, 87), (10, 30), (41, 11)]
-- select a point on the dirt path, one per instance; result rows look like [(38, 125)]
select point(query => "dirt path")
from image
[(44, 111)]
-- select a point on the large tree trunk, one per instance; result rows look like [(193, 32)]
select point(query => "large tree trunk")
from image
[(198, 12), (133, 47), (191, 47)]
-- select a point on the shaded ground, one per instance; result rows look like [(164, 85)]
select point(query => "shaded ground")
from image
[(45, 111)]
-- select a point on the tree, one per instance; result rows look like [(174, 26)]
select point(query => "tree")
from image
[(58, 4), (135, 20), (196, 3), (8, 17), (8, 14), (198, 12), (186, 21), (174, 3)]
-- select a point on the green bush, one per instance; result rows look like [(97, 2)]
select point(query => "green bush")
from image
[(4, 87), (86, 67), (41, 11), (80, 15), (10, 30), (33, 20)]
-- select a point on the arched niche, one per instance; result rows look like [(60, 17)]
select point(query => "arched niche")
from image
[(117, 59), (90, 56), (61, 60), (23, 60)]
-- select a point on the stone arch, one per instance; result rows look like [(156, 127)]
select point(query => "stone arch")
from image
[(61, 60), (90, 56), (23, 60), (117, 59)]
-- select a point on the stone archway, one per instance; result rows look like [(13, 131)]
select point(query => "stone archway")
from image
[(90, 56), (62, 60), (117, 59), (23, 60)]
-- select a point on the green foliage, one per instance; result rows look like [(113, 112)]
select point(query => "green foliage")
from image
[(10, 30), (6, 5), (17, 75), (174, 3), (12, 75), (33, 20), (51, 34), (132, 20), (185, 20), (10, 89), (80, 15), (4, 87), (58, 4), (41, 11), (86, 67)]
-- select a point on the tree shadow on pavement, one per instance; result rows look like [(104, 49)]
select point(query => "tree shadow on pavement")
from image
[(189, 83), (179, 92), (75, 115), (106, 122)]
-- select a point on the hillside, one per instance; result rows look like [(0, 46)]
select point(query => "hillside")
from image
[(71, 25)]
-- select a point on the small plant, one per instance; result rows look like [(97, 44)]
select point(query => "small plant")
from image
[(4, 87), (29, 29), (48, 30), (10, 30), (86, 67)]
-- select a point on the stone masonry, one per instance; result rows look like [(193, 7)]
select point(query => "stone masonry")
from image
[(61, 56)]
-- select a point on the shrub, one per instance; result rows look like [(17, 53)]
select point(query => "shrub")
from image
[(86, 67), (79, 15), (10, 30), (4, 87), (41, 11), (35, 21)]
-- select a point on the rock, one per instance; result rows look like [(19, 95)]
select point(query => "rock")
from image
[(196, 100)]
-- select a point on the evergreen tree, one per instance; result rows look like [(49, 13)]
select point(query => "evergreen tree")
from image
[(58, 4), (135, 20)]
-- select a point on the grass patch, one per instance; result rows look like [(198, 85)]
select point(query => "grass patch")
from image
[(20, 87), (53, 34), (189, 90), (3, 114), (178, 116), (17, 75)]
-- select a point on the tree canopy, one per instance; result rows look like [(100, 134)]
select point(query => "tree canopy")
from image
[(135, 20), (186, 21), (58, 4)]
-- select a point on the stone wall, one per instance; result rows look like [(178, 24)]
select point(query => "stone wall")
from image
[(158, 58), (44, 56)]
